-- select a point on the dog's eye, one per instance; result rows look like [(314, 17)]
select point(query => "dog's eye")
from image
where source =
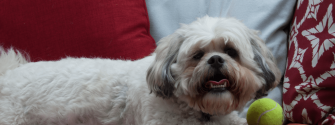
[(231, 52), (198, 55)]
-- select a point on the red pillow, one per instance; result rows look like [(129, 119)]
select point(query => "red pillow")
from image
[(309, 84), (54, 29)]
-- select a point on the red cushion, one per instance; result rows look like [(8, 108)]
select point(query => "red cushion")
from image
[(309, 84), (54, 29)]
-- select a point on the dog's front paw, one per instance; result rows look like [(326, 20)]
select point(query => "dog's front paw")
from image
[(239, 121)]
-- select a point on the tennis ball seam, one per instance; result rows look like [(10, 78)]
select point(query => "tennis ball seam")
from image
[(259, 118)]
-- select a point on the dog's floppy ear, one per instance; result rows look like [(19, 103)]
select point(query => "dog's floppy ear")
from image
[(159, 77), (267, 64)]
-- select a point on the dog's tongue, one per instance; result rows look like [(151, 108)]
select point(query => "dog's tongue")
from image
[(215, 83), (221, 82)]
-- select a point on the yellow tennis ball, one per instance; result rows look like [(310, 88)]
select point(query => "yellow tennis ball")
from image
[(265, 111)]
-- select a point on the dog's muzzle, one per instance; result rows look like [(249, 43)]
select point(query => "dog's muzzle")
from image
[(218, 82)]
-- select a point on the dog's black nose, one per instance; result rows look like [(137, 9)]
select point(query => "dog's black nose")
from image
[(215, 61)]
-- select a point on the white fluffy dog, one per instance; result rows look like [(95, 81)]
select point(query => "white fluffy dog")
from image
[(201, 74)]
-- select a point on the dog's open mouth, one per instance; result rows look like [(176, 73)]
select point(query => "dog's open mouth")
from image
[(217, 83)]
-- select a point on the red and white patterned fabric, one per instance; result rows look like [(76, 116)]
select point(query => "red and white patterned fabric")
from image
[(309, 83)]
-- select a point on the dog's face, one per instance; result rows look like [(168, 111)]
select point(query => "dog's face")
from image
[(216, 65)]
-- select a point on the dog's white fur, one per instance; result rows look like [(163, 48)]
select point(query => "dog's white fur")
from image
[(163, 88)]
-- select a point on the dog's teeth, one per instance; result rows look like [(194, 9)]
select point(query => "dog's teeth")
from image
[(219, 86)]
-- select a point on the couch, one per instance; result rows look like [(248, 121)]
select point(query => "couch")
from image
[(130, 29)]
